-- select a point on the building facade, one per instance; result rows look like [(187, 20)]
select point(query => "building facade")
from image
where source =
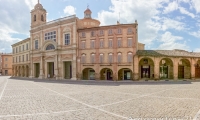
[(53, 46), (21, 58), (106, 52), (6, 64), (166, 64)]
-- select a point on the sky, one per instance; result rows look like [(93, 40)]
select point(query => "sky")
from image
[(162, 24)]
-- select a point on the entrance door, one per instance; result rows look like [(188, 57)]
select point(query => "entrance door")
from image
[(109, 75), (51, 69), (197, 72), (91, 74), (145, 71), (163, 71), (180, 71), (6, 72), (37, 70), (127, 75), (67, 70)]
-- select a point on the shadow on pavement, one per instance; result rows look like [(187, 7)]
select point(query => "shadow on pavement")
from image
[(106, 83)]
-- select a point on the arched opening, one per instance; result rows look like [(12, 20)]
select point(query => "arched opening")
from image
[(184, 69), (88, 74), (166, 68), (146, 68), (23, 71), (106, 74), (197, 69), (34, 18), (42, 18), (19, 71), (125, 74), (50, 47)]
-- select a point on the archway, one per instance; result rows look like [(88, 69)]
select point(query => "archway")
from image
[(146, 68), (23, 71), (184, 69), (197, 69), (124, 74), (166, 68), (106, 74), (27, 71), (88, 74)]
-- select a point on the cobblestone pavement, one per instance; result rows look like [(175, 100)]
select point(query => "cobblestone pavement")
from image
[(22, 99)]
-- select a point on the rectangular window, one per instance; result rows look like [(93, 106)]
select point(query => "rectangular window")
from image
[(92, 34), (110, 58), (119, 31), (22, 58), (92, 58), (16, 49), (119, 58), (23, 47), (67, 39), (110, 43), (13, 50), (16, 59), (130, 57), (101, 58), (101, 43), (101, 32), (129, 31), (13, 59), (19, 58), (26, 46), (26, 57), (19, 48), (119, 42), (130, 43), (83, 44), (36, 44), (83, 59), (109, 31), (5, 65), (50, 36), (6, 59), (92, 44), (83, 34)]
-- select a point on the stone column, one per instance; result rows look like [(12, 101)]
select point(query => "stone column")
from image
[(135, 68), (175, 68), (41, 68), (56, 67), (156, 68), (193, 62), (74, 68)]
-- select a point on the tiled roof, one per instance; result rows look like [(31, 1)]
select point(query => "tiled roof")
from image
[(181, 53)]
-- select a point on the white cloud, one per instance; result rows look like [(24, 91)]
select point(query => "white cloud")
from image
[(196, 4), (70, 10), (171, 7), (170, 42), (168, 23), (195, 34), (184, 11)]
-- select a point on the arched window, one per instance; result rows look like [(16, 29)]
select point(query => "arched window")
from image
[(34, 17), (42, 18), (83, 58), (50, 47)]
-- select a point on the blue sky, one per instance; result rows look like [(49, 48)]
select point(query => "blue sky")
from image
[(163, 24)]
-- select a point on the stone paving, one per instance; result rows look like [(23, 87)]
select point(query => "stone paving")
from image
[(22, 99)]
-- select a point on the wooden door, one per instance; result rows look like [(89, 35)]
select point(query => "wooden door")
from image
[(197, 72), (180, 71)]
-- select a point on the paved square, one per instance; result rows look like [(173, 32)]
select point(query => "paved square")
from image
[(98, 100)]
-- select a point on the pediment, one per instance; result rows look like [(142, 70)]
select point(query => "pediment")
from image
[(49, 57), (67, 57), (36, 59)]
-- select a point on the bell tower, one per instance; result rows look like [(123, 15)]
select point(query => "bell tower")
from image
[(38, 15), (87, 13)]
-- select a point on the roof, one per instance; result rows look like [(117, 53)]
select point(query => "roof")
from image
[(171, 53), (88, 11)]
